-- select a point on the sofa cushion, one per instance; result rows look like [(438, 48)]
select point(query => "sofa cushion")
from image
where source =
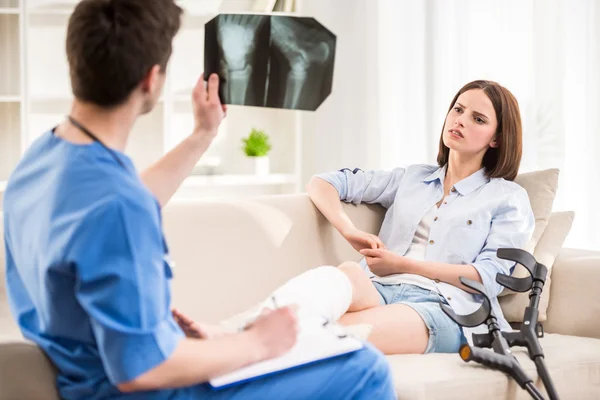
[(541, 187), (550, 244), (25, 372), (573, 363), (574, 296), (431, 376)]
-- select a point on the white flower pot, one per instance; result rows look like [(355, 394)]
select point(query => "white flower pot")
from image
[(261, 165)]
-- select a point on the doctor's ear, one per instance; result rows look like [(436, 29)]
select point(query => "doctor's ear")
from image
[(151, 81), (494, 143)]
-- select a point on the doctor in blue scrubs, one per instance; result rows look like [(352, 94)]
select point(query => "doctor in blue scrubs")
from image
[(87, 262)]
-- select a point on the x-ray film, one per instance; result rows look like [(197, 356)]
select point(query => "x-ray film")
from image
[(270, 60)]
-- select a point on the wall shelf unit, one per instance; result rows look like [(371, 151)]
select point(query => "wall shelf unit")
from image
[(35, 96)]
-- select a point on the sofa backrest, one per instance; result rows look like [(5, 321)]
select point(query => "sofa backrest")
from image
[(229, 255)]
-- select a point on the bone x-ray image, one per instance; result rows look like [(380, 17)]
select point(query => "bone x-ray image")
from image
[(270, 61)]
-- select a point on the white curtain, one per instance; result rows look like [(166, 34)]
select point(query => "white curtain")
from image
[(547, 52)]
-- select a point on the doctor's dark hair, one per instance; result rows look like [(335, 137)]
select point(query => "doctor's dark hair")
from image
[(504, 160), (112, 45)]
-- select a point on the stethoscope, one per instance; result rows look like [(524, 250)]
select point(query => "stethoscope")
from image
[(86, 131)]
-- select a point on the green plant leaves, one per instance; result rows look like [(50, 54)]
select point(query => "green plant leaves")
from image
[(256, 144)]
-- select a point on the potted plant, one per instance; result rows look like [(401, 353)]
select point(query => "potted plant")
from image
[(257, 146)]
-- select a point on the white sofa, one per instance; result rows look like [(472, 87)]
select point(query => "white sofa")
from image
[(229, 255)]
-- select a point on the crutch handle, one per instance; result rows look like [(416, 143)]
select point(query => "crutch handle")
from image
[(505, 363)]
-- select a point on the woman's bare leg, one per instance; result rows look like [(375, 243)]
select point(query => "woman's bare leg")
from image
[(397, 328), (364, 294), (325, 291), (350, 298)]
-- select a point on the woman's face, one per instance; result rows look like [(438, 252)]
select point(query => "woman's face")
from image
[(471, 124)]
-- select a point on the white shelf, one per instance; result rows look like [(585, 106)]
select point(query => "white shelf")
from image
[(10, 99), (195, 181), (49, 11), (45, 98), (9, 11), (41, 7), (239, 180)]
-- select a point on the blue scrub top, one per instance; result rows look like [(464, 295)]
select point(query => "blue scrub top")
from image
[(87, 270)]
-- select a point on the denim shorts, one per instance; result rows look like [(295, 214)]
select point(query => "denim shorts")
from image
[(445, 335)]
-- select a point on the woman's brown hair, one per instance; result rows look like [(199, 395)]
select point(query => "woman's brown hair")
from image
[(502, 161)]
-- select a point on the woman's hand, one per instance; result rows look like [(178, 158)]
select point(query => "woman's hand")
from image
[(196, 330), (383, 262), (362, 240)]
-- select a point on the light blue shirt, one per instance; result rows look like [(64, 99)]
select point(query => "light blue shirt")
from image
[(477, 218)]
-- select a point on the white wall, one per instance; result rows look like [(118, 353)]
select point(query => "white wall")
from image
[(341, 133)]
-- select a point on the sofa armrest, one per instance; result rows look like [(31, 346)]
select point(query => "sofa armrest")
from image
[(25, 372), (574, 296)]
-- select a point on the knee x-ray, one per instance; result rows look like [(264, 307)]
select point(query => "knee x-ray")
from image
[(270, 61)]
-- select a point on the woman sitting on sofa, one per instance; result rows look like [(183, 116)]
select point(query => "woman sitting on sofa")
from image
[(442, 222)]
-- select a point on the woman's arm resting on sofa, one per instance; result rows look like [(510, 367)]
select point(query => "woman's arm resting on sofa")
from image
[(327, 199)]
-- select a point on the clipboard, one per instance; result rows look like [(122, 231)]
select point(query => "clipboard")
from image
[(317, 341)]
